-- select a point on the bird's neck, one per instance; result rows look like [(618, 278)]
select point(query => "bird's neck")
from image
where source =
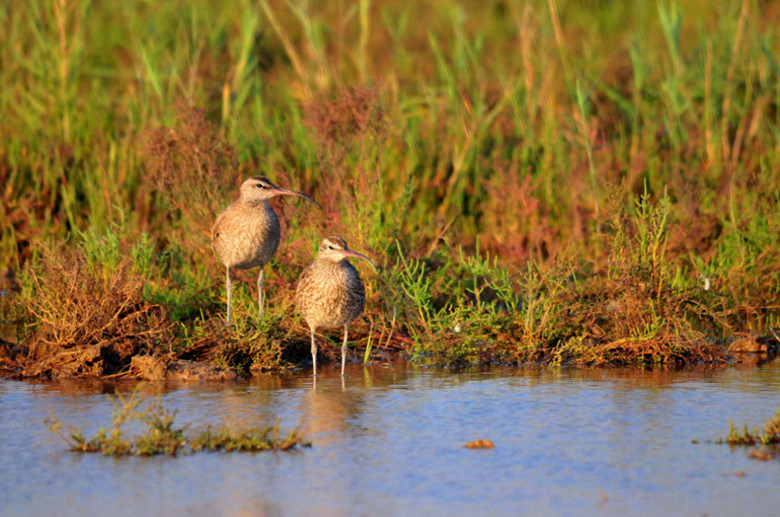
[(260, 207), (341, 265), (256, 203)]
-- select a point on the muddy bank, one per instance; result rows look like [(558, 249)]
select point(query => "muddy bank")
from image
[(87, 320), (121, 361), (104, 362)]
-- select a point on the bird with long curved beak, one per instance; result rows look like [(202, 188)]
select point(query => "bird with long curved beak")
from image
[(247, 233), (330, 292)]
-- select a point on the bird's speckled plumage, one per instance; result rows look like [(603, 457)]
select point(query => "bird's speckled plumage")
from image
[(247, 233), (330, 292)]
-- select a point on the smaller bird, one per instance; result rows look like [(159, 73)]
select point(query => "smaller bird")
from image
[(330, 292), (247, 233)]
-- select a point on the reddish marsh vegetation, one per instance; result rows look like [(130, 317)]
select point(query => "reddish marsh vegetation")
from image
[(559, 184)]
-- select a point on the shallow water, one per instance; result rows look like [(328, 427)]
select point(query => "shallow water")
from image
[(390, 442)]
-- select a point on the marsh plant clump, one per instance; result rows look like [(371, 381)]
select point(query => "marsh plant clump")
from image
[(162, 436), (767, 441), (539, 183), (769, 435), (89, 314)]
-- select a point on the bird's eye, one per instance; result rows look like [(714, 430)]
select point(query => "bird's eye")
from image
[(262, 185), (330, 246)]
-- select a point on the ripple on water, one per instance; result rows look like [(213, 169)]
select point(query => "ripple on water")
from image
[(392, 442)]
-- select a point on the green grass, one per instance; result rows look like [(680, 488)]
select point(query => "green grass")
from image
[(546, 181), (769, 436), (162, 436)]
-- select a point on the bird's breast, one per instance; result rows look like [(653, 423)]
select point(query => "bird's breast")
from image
[(330, 295), (246, 236)]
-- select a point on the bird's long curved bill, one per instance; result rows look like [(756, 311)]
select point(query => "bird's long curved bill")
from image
[(350, 253), (287, 192)]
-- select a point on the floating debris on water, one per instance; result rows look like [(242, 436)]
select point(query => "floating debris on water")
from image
[(761, 454), (480, 444)]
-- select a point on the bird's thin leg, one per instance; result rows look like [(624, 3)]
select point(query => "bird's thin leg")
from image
[(260, 285), (229, 289), (313, 354), (344, 349)]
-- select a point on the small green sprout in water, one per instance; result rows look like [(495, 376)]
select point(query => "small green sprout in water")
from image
[(769, 437), (163, 437), (743, 436)]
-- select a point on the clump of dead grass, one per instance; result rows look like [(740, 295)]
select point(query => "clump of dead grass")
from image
[(87, 319)]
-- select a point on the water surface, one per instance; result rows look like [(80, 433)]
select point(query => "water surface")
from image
[(390, 442)]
